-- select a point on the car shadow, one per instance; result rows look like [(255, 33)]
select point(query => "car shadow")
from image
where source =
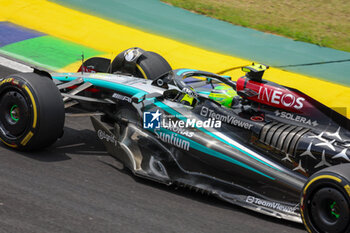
[(74, 142)]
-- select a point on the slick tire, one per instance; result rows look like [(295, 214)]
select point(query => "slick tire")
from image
[(149, 65), (152, 65), (325, 201), (31, 111), (96, 64)]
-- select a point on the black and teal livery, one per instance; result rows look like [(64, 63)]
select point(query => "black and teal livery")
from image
[(251, 153)]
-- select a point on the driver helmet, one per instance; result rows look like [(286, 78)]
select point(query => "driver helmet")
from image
[(223, 95)]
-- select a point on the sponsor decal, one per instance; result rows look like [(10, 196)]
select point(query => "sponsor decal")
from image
[(121, 97), (131, 54), (297, 118), (6, 81), (230, 119), (152, 120), (177, 129), (193, 123), (173, 139), (280, 97), (189, 92), (105, 136), (88, 69), (271, 204)]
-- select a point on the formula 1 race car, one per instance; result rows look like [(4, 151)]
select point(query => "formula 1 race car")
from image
[(253, 143)]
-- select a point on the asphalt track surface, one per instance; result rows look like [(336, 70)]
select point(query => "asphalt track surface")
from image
[(75, 186)]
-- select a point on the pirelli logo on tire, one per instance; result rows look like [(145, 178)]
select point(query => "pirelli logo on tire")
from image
[(27, 138), (7, 80), (23, 94)]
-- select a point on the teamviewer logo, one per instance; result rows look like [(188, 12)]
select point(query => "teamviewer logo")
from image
[(151, 120)]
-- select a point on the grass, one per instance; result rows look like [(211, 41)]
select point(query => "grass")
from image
[(322, 22)]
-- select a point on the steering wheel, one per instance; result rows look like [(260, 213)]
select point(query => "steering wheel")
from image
[(180, 74)]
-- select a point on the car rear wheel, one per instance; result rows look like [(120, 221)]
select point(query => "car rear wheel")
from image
[(152, 65), (325, 200), (140, 63), (31, 111)]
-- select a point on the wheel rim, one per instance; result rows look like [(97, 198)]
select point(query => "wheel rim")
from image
[(14, 114), (329, 210), (334, 209)]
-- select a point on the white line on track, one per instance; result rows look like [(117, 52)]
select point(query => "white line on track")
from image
[(15, 65)]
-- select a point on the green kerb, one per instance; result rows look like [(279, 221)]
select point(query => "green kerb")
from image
[(49, 52)]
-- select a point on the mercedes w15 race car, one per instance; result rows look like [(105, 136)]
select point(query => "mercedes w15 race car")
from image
[(251, 142)]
